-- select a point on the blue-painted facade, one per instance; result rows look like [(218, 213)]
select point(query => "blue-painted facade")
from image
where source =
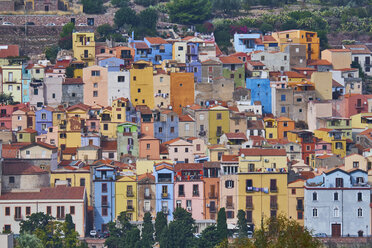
[(164, 179), (260, 91), (104, 211), (247, 43), (43, 120), (166, 126), (112, 64), (26, 79), (154, 53), (96, 140), (195, 67)]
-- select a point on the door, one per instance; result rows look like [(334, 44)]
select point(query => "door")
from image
[(336, 230)]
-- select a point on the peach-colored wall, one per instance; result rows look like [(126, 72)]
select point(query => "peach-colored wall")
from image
[(89, 83), (147, 128), (182, 90), (152, 152), (210, 197), (19, 123), (181, 154)]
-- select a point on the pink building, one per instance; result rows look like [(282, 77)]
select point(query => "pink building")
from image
[(149, 147), (51, 137), (199, 146), (351, 104), (6, 112), (180, 150), (323, 147), (23, 118), (189, 189), (95, 85)]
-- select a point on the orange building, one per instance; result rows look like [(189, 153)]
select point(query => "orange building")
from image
[(284, 125), (126, 54), (149, 148), (181, 90), (211, 189)]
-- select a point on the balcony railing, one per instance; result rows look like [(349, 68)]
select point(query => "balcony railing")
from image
[(60, 217), (147, 196), (300, 207), (87, 56), (213, 195), (130, 194), (249, 206), (181, 194), (230, 205), (130, 208), (164, 195), (358, 106), (147, 210), (104, 204), (213, 210), (273, 205), (274, 190), (195, 193), (18, 217)]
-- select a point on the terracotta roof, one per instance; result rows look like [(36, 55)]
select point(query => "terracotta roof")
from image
[(109, 145), (73, 81), (307, 174), (216, 146), (79, 105), (171, 141), (358, 49), (230, 60), (188, 166), (230, 158), (9, 151), (283, 118), (346, 69), (21, 168), (367, 133), (336, 84), (9, 51), (164, 166), (338, 50), (57, 193), (255, 63), (319, 62), (324, 156), (269, 38), (27, 130), (324, 129), (195, 107), (211, 164), (235, 136), (303, 69), (140, 45), (45, 145), (255, 124), (185, 118), (263, 152), (146, 175), (218, 51), (156, 40), (163, 149), (62, 64), (293, 74), (69, 150)]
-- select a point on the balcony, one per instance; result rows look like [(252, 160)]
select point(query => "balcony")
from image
[(274, 190), (130, 208), (358, 106), (274, 206), (213, 210), (165, 210), (130, 194), (230, 205), (212, 195), (300, 207), (86, 56), (219, 133), (164, 195), (181, 194), (195, 193), (165, 180), (249, 189), (104, 204), (126, 56), (147, 196), (60, 217), (249, 206), (18, 217), (147, 210)]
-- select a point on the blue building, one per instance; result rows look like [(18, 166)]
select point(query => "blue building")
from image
[(26, 79), (153, 49), (104, 177), (112, 64), (90, 139), (248, 43), (260, 91), (166, 125), (43, 119), (337, 203), (164, 179), (195, 67)]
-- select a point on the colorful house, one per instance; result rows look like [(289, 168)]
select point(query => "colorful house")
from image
[(335, 137), (284, 125), (110, 117), (260, 91), (296, 201), (271, 128), (211, 179), (127, 138), (219, 123), (12, 81), (233, 68), (166, 124), (152, 49), (180, 150), (248, 42), (361, 121), (141, 84), (83, 45), (26, 135), (149, 147), (164, 181), (95, 85), (126, 194), (181, 90), (43, 119), (146, 195), (307, 141)]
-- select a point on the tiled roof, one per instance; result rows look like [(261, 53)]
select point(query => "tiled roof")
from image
[(230, 60), (338, 50), (163, 149), (230, 158), (188, 166), (255, 63), (171, 141), (358, 49), (195, 107), (263, 152), (336, 84), (319, 62), (307, 174), (140, 45), (79, 105), (62, 64), (367, 133), (21, 168), (185, 118), (269, 38), (303, 69), (146, 175), (164, 166), (45, 145), (9, 51), (156, 40), (109, 145), (324, 156), (218, 51), (69, 81), (69, 150), (255, 124), (212, 164), (283, 118), (324, 129), (27, 130), (293, 74), (346, 69), (235, 136), (57, 193)]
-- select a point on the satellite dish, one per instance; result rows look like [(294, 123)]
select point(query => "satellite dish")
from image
[(242, 155)]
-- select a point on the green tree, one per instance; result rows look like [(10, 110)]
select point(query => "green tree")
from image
[(146, 3), (120, 3), (51, 235), (65, 40), (6, 98), (227, 6), (71, 236), (149, 18), (51, 53), (222, 225), (93, 6), (35, 221), (282, 232), (125, 16), (69, 72), (189, 11), (160, 225), (147, 238), (209, 237), (104, 31), (265, 27), (26, 240), (242, 224)]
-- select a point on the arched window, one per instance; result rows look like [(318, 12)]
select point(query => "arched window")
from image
[(336, 212)]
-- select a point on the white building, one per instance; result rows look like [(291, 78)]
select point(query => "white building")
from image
[(118, 85), (362, 55), (57, 202), (273, 60), (337, 203)]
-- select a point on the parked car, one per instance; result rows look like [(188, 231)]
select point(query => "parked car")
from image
[(93, 233), (8, 24), (50, 24), (320, 235), (30, 23), (83, 25)]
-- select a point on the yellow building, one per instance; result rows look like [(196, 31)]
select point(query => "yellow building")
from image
[(126, 195), (271, 129), (78, 67), (141, 84), (262, 160), (147, 166), (323, 85), (70, 133), (361, 121), (340, 58), (215, 152), (302, 37), (296, 201), (12, 81), (335, 137), (74, 176), (27, 135), (112, 116), (219, 123), (59, 116), (84, 47)]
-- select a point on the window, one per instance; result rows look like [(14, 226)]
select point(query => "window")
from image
[(160, 129), (95, 85), (336, 212), (283, 110), (360, 196), (335, 196), (148, 146), (121, 79), (119, 116), (187, 127), (355, 164), (360, 212), (7, 228), (7, 211), (10, 87), (43, 116), (11, 180), (104, 212), (181, 190), (315, 212), (95, 73), (60, 212), (307, 148), (82, 181), (300, 215), (104, 187), (105, 126), (249, 185), (249, 216), (172, 129), (339, 182), (262, 58), (273, 187), (49, 210), (201, 117), (198, 147), (219, 116), (53, 95), (27, 152), (249, 202), (282, 98), (72, 209), (28, 211), (43, 127), (293, 191), (315, 196), (186, 149), (229, 201), (229, 184), (95, 93), (139, 90), (36, 92), (195, 190)]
